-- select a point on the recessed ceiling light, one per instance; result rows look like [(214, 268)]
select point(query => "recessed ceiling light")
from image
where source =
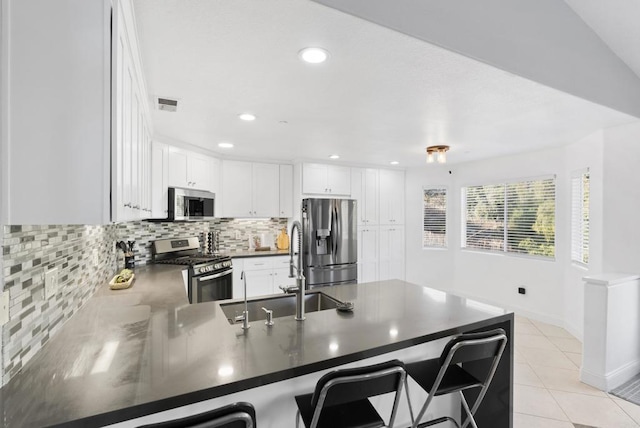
[(225, 145), (394, 162), (334, 157), (247, 116), (313, 55)]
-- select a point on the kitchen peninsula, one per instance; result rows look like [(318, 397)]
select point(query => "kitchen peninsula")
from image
[(145, 350)]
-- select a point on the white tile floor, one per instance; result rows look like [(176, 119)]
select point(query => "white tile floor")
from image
[(547, 390)]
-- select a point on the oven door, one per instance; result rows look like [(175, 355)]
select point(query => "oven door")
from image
[(209, 287)]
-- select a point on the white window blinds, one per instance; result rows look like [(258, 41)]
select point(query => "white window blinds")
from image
[(580, 217), (434, 214), (516, 217), (483, 222)]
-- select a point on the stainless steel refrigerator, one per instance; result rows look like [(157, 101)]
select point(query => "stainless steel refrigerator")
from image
[(330, 241)]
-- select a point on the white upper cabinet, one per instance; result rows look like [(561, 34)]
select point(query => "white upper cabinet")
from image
[(250, 189), (159, 180), (391, 197), (56, 121), (326, 179), (286, 191), (131, 147), (190, 170), (265, 190), (364, 188)]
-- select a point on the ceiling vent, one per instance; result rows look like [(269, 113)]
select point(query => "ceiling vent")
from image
[(167, 104)]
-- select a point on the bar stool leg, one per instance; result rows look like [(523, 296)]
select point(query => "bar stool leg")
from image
[(406, 388), (466, 408), (298, 418)]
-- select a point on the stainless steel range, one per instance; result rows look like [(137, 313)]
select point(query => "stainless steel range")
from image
[(209, 276)]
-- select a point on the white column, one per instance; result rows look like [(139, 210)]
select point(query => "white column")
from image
[(611, 350)]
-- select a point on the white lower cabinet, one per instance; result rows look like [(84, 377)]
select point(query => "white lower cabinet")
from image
[(368, 254), (391, 253), (264, 275)]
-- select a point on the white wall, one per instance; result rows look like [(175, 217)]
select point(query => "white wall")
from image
[(432, 267), (554, 287), (586, 153), (622, 199)]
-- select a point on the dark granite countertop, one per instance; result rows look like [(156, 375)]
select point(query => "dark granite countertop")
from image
[(133, 352), (252, 253)]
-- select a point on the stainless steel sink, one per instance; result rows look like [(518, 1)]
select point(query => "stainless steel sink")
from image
[(281, 305)]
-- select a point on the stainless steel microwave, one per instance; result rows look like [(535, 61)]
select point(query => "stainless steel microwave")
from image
[(190, 204)]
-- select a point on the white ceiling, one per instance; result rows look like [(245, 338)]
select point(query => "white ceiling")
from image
[(617, 22), (382, 95)]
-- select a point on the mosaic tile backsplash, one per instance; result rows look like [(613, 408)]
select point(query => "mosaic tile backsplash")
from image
[(86, 258)]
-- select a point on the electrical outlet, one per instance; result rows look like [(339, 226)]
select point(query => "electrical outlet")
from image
[(4, 308), (238, 235), (50, 283), (96, 259)]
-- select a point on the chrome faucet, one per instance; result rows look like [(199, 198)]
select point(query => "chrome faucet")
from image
[(245, 314), (299, 289)]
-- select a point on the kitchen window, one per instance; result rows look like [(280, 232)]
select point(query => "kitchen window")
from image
[(580, 217), (515, 217), (434, 214)]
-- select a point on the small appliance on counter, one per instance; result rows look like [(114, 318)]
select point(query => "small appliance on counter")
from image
[(209, 276)]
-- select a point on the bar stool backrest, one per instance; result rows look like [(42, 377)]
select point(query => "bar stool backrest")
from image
[(237, 415), (474, 346), (348, 385)]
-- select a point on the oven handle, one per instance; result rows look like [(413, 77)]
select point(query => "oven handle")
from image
[(217, 275)]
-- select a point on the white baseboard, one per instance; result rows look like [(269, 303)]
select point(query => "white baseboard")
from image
[(613, 379)]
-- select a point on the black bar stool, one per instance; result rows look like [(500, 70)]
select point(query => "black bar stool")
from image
[(341, 397), (444, 375), (237, 415)]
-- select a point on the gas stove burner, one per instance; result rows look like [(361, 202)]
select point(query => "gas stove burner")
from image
[(194, 260)]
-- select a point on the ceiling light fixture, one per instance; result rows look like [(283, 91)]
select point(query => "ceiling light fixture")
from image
[(394, 162), (438, 153), (313, 55), (247, 116), (334, 157), (225, 145)]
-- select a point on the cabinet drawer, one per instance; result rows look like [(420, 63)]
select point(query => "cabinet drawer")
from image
[(257, 263)]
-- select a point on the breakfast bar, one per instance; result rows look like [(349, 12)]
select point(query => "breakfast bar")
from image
[(138, 352)]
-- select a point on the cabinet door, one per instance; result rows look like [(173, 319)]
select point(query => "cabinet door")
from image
[(314, 178), (391, 253), (391, 197), (199, 170), (368, 254), (286, 191), (159, 180), (265, 190), (236, 189), (357, 192), (216, 184), (339, 180), (259, 283), (281, 278), (238, 284), (177, 168), (370, 196)]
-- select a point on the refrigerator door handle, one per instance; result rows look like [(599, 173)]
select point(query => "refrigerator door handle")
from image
[(337, 229)]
